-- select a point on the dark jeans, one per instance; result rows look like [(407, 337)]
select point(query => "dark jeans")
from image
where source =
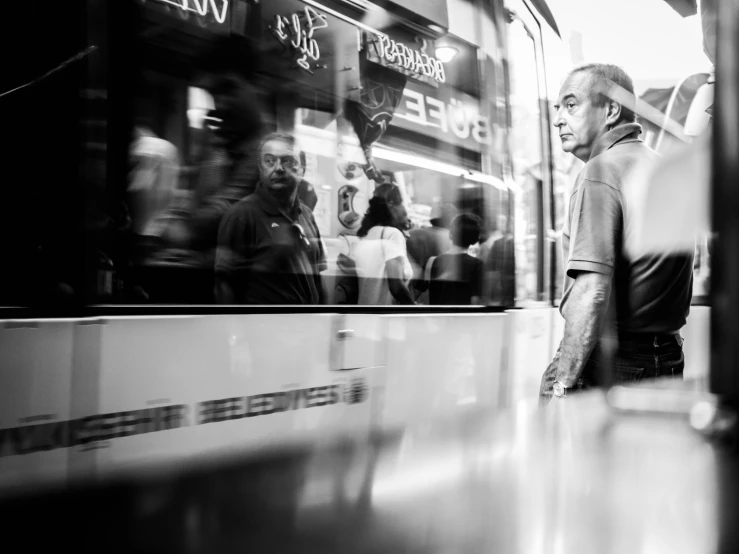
[(637, 357)]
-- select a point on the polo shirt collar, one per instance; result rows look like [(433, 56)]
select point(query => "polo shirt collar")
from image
[(628, 132), (270, 205)]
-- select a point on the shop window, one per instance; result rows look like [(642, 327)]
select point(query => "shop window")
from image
[(434, 193)]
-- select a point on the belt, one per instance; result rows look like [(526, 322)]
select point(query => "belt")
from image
[(647, 337)]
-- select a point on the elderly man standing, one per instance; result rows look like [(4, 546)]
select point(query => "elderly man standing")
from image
[(642, 301), (269, 247)]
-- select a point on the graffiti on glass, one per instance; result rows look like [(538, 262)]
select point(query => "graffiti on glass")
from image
[(296, 32)]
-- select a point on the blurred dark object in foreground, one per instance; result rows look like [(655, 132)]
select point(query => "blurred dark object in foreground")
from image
[(725, 207)]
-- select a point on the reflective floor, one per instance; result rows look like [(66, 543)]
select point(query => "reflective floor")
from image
[(574, 478)]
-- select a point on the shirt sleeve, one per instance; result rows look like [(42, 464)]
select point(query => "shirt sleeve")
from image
[(393, 244), (595, 229)]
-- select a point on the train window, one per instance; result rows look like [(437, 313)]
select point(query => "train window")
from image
[(181, 201), (527, 157), (358, 113)]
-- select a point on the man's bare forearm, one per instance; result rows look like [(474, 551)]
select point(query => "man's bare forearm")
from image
[(585, 311)]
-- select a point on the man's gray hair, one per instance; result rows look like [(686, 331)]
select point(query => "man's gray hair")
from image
[(284, 137), (603, 78)]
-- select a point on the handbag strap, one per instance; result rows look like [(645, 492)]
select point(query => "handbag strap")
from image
[(427, 270), (348, 246)]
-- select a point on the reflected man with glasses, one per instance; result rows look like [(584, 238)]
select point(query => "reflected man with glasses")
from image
[(269, 247)]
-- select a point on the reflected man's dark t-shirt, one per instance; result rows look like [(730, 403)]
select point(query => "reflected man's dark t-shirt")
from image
[(262, 257), (455, 279)]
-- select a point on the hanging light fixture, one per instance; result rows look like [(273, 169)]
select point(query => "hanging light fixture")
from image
[(446, 53)]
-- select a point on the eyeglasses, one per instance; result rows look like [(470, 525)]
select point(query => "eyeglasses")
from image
[(302, 239), (288, 162)]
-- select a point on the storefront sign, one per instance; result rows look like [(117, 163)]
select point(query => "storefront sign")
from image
[(304, 45), (296, 33), (446, 114), (218, 9), (416, 61)]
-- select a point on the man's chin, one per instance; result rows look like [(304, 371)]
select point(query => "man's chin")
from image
[(569, 149), (281, 186)]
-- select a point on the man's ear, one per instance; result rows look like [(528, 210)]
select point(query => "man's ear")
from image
[(613, 112)]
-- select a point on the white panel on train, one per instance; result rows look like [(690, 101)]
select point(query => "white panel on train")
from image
[(531, 351), (197, 388), (36, 375), (438, 364)]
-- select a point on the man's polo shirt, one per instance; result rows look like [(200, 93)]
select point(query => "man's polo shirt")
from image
[(261, 255), (650, 294)]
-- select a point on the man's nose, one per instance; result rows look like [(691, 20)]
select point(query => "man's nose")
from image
[(558, 121)]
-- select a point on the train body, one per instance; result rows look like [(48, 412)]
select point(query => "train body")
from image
[(101, 398), (103, 385)]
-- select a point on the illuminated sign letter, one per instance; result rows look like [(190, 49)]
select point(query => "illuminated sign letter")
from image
[(297, 33), (202, 7)]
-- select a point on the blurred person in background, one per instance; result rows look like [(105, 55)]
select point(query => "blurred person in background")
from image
[(643, 301), (455, 277), (383, 268), (269, 247), (153, 180), (306, 192), (229, 171), (425, 242), (500, 264)]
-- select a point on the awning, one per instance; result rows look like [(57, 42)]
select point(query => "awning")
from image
[(542, 7), (685, 8)]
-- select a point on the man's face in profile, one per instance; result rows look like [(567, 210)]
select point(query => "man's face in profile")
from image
[(279, 167), (579, 122)]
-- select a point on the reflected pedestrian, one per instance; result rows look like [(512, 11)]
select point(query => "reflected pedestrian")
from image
[(269, 247), (381, 256)]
